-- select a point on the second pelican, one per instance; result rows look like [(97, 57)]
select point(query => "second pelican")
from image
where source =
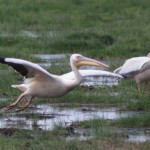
[(137, 68)]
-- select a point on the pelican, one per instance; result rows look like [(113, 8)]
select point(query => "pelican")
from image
[(40, 83), (137, 68)]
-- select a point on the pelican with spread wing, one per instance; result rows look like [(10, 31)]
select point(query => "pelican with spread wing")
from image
[(137, 68), (40, 83)]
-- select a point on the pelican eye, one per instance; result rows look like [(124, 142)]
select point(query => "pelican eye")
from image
[(78, 58)]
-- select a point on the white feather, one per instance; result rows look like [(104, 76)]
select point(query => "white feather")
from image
[(133, 64)]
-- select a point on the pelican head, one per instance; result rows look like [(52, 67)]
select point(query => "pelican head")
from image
[(79, 60)]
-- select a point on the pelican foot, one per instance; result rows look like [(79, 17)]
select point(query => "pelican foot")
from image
[(8, 108)]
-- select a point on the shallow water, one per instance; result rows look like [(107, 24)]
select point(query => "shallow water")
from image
[(138, 138), (46, 116)]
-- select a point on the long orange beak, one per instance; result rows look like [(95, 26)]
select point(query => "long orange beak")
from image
[(90, 62)]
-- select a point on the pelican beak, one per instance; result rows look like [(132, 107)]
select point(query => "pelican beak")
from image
[(90, 62)]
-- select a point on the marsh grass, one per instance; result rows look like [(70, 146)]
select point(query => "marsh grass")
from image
[(140, 105), (44, 140), (135, 121), (7, 78), (94, 28), (100, 128)]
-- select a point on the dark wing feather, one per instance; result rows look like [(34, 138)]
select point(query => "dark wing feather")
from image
[(25, 68), (19, 68)]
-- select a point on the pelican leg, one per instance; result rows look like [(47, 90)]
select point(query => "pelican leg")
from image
[(25, 105), (146, 87), (139, 87), (13, 104)]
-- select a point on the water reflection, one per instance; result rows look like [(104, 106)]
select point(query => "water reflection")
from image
[(46, 116), (138, 138)]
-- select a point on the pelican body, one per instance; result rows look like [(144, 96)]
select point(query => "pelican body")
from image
[(40, 83), (137, 68)]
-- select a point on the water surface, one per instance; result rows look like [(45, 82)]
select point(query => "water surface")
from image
[(46, 116)]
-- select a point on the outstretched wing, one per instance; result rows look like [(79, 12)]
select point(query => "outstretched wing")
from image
[(25, 68)]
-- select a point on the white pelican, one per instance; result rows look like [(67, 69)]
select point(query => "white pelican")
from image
[(40, 83), (137, 68)]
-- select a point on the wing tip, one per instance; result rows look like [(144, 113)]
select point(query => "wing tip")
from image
[(2, 60)]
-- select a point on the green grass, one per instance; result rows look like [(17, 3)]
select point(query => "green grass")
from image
[(132, 121), (94, 28), (141, 105), (137, 121), (41, 140)]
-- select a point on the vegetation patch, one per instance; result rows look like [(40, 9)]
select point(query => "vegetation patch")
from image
[(83, 41), (137, 121)]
